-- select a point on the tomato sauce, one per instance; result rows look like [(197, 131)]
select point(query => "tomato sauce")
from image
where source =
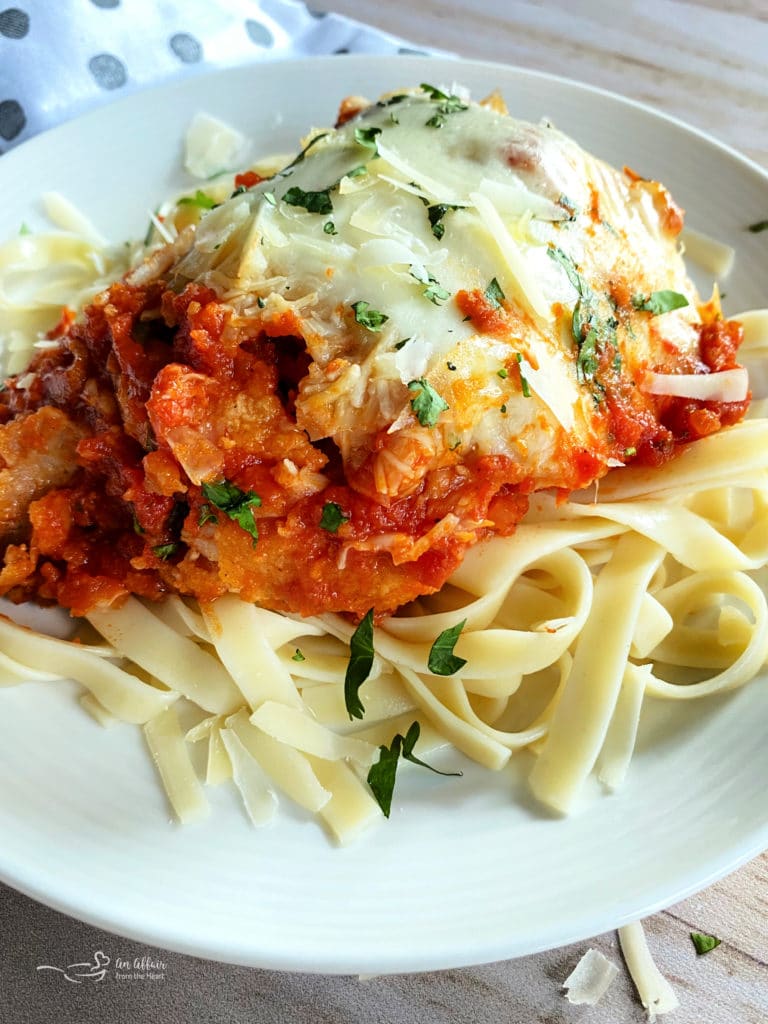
[(166, 396)]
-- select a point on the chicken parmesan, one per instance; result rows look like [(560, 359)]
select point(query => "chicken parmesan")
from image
[(332, 384)]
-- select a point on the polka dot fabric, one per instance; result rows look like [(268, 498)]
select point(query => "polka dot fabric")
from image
[(60, 59)]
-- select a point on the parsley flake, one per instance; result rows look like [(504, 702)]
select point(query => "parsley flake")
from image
[(360, 665), (433, 291), (333, 517), (704, 943), (199, 199), (427, 404), (400, 344), (367, 137), (503, 373), (369, 318), (494, 294), (330, 228), (588, 326), (298, 656), (568, 205), (236, 504), (313, 202), (165, 551), (442, 661), (382, 774), (445, 105), (756, 228), (660, 302), (206, 515), (297, 160), (436, 213), (524, 385), (568, 266)]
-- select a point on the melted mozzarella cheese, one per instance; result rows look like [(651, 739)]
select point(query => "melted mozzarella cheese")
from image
[(401, 209)]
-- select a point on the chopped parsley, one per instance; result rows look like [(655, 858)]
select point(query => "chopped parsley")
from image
[(568, 205), (503, 373), (660, 302), (451, 366), (442, 661), (704, 943), (360, 665), (503, 408), (369, 318), (356, 172), (165, 551), (433, 291), (297, 160), (629, 452), (524, 385), (333, 517), (330, 228), (382, 774), (569, 267), (427, 404), (298, 656), (199, 199), (236, 504), (588, 327), (260, 302), (24, 229), (493, 294), (758, 226), (313, 202), (137, 527), (436, 214), (206, 515), (445, 105), (367, 137), (400, 344)]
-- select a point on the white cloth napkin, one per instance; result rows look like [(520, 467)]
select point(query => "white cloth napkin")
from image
[(59, 58)]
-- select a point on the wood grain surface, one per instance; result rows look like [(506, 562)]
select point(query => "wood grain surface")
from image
[(707, 65)]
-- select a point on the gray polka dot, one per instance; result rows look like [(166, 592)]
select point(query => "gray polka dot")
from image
[(108, 71), (106, 4), (258, 33), (186, 48), (14, 24), (12, 119)]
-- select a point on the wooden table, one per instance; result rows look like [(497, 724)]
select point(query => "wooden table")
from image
[(707, 66)]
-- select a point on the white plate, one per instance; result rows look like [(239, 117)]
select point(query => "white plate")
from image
[(467, 870)]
